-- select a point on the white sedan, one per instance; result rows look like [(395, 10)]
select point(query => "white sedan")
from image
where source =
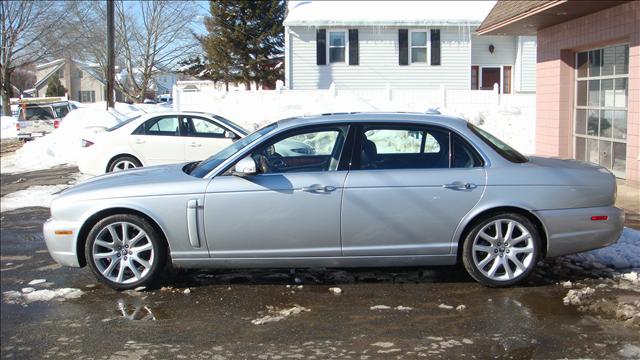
[(157, 138)]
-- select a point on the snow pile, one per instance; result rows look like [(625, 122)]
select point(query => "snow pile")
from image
[(29, 295), (576, 297), (277, 315), (512, 122), (8, 127), (624, 254), (62, 145), (39, 195)]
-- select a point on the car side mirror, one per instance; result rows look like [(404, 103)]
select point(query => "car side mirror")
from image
[(229, 135), (245, 167)]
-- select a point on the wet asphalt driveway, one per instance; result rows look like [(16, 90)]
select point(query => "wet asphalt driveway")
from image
[(208, 314)]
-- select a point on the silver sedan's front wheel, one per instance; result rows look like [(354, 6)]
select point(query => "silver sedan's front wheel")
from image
[(502, 250), (124, 251)]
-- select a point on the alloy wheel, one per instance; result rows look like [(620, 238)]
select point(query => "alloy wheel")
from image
[(503, 250), (123, 252), (124, 165)]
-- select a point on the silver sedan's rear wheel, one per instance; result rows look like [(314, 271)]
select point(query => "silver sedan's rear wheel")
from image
[(502, 250), (124, 251)]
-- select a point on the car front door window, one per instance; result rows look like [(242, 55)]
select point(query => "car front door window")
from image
[(315, 150)]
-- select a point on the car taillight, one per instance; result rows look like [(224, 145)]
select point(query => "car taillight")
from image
[(56, 123), (18, 126), (86, 143)]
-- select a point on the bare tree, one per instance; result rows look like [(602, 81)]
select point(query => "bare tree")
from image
[(150, 36), (27, 31), (155, 35)]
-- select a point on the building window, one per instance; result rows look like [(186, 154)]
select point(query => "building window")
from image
[(87, 96), (602, 83), (475, 74), (418, 47), (337, 46), (506, 79)]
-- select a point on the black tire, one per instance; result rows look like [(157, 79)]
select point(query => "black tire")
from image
[(124, 158), (157, 257), (500, 252)]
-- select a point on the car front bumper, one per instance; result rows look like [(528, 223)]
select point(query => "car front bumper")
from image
[(573, 230), (62, 245)]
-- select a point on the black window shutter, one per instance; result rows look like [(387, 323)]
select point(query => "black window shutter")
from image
[(321, 47), (403, 42), (354, 47), (435, 46)]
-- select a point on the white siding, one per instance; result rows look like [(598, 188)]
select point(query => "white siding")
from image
[(504, 50), (526, 64), (379, 62)]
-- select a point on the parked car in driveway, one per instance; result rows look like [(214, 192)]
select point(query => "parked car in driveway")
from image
[(378, 190), (162, 138), (36, 119)]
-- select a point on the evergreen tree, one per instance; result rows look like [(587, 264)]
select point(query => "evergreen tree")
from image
[(243, 38), (54, 86)]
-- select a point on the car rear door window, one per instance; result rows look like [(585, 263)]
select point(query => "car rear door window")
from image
[(307, 151), (162, 126), (198, 127), (403, 147), (463, 155)]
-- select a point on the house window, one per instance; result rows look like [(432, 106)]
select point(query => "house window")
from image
[(506, 79), (600, 130), (418, 47), (337, 46), (87, 96), (475, 74)]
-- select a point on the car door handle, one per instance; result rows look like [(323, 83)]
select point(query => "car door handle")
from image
[(195, 145), (138, 141), (458, 185), (318, 188)]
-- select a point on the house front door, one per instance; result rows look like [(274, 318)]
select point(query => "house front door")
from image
[(490, 76)]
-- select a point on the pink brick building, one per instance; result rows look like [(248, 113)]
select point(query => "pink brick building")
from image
[(588, 77)]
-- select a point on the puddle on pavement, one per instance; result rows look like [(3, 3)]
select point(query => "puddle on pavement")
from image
[(135, 311)]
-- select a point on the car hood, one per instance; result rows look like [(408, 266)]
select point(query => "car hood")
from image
[(146, 181)]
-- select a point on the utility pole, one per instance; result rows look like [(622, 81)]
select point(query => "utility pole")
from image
[(111, 57)]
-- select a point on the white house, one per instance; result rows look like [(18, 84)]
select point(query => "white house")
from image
[(402, 44)]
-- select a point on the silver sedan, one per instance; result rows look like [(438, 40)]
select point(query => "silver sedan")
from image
[(369, 189)]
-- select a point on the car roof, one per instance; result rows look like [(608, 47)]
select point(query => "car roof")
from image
[(386, 117)]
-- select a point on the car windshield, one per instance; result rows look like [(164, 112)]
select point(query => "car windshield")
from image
[(119, 125), (232, 125), (500, 147), (205, 166)]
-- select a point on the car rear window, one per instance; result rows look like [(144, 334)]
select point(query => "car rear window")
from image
[(498, 145), (38, 113)]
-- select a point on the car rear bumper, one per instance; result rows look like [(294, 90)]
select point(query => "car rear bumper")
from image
[(573, 230), (62, 246)]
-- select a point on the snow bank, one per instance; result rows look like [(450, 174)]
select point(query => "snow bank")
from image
[(8, 127), (29, 295), (35, 196), (624, 254), (512, 122), (62, 145)]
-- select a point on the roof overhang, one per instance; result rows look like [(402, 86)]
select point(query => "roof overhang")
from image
[(544, 15)]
